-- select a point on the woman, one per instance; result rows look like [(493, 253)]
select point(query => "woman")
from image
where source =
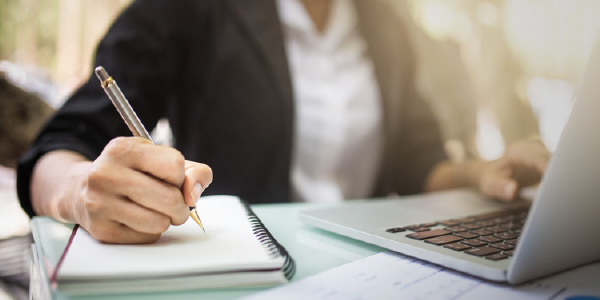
[(307, 100)]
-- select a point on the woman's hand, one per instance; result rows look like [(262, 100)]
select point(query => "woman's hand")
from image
[(130, 194), (523, 164)]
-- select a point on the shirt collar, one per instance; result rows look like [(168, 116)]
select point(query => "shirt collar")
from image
[(342, 22)]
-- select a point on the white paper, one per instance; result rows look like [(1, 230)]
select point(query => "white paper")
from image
[(390, 275), (228, 244)]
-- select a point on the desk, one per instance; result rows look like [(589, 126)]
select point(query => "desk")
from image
[(314, 251)]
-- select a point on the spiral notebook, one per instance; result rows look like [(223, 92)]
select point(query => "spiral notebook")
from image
[(236, 250)]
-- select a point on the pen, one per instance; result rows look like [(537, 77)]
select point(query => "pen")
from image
[(131, 119)]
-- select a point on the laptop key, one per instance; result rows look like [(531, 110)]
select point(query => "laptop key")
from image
[(512, 242), (509, 253), (457, 246), (455, 229), (497, 256), (429, 224), (409, 227), (482, 251), (485, 223), (395, 229), (482, 232), (505, 236), (466, 235), (445, 239), (502, 246), (504, 220), (450, 222), (474, 243), (420, 229), (416, 228), (511, 226), (490, 239), (428, 234), (470, 226), (496, 229)]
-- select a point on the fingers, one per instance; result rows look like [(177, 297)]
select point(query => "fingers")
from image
[(523, 164), (536, 161), (143, 190), (501, 188), (125, 235), (139, 218), (529, 154), (497, 181), (135, 190), (115, 233), (197, 178), (116, 220), (140, 154)]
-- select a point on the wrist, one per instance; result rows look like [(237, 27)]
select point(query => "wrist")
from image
[(56, 185), (70, 201)]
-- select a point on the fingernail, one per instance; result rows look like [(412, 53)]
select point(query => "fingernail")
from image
[(509, 190), (196, 192)]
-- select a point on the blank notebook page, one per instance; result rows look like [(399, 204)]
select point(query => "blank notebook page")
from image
[(229, 244)]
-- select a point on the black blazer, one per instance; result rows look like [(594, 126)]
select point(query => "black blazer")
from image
[(217, 69)]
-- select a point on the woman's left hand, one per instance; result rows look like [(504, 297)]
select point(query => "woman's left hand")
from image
[(522, 165)]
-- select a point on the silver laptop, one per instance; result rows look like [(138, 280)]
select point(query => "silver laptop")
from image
[(557, 230)]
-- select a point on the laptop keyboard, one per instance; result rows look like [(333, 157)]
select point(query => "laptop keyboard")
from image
[(493, 235)]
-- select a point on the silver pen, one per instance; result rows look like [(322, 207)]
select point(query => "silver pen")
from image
[(130, 117)]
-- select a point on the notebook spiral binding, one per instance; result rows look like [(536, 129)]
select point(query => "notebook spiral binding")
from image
[(273, 247)]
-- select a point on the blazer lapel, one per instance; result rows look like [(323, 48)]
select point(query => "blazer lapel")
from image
[(385, 55), (261, 19), (392, 71)]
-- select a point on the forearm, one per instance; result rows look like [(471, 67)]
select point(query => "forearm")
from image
[(56, 183), (447, 175)]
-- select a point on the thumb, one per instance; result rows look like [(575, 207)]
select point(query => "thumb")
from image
[(504, 188), (197, 178), (508, 189)]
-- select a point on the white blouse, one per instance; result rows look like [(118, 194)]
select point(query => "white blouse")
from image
[(338, 119)]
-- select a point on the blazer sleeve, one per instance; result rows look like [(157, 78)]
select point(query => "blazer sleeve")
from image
[(421, 145), (414, 144), (142, 52)]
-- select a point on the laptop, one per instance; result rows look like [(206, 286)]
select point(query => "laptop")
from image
[(506, 242)]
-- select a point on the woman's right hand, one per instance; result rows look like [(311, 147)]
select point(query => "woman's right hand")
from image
[(130, 194)]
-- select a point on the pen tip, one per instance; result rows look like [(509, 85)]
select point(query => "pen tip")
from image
[(194, 215)]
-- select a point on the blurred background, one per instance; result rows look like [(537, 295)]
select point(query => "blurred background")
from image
[(494, 71)]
